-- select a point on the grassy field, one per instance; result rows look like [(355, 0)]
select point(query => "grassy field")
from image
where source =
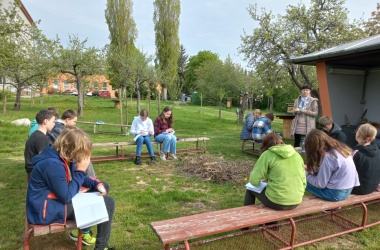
[(143, 193)]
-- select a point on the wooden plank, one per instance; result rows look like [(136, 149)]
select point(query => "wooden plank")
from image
[(209, 223)]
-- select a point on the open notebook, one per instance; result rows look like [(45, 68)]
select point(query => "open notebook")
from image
[(89, 209)]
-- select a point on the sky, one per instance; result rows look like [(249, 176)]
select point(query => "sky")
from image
[(214, 25)]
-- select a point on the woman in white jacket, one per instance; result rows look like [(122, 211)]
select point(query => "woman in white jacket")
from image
[(142, 128)]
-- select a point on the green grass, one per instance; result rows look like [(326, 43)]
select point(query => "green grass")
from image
[(144, 193)]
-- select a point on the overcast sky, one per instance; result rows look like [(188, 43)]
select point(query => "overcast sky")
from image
[(214, 25)]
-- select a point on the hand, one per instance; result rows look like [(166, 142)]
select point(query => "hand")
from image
[(101, 189), (151, 132), (143, 133), (83, 164)]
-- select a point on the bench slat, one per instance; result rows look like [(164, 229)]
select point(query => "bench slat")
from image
[(209, 223)]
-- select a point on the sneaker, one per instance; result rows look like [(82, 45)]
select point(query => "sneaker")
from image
[(137, 160), (328, 210), (162, 156), (152, 160), (173, 157), (87, 238)]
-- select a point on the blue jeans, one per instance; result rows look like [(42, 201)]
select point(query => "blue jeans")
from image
[(144, 140), (329, 194), (169, 142)]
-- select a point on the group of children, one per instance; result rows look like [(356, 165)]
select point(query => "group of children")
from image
[(57, 162), (332, 171), (257, 126)]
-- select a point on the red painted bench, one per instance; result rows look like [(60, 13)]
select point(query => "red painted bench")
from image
[(293, 230)]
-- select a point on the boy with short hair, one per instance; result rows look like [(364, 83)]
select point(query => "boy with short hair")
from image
[(37, 142), (332, 129), (34, 124), (262, 126)]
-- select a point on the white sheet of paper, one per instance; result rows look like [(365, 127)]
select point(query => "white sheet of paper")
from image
[(89, 209), (256, 189)]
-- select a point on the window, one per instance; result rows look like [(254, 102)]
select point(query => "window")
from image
[(104, 86), (55, 84), (65, 84)]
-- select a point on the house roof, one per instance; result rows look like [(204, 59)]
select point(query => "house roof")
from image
[(363, 53)]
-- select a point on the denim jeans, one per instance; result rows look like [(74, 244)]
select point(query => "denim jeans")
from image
[(329, 194), (144, 140), (103, 229), (169, 142)]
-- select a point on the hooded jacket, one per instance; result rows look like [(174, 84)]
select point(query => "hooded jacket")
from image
[(337, 133), (33, 127), (55, 132), (366, 160), (52, 185), (247, 127), (284, 170)]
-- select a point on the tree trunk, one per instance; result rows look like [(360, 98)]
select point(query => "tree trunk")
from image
[(32, 97), (41, 97), (80, 96), (158, 103), (121, 105), (164, 94), (17, 105), (138, 97), (4, 97), (244, 106)]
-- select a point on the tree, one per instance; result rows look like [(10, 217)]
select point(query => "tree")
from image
[(182, 63), (300, 31), (195, 62), (372, 26), (217, 80), (166, 26), (79, 61), (123, 33)]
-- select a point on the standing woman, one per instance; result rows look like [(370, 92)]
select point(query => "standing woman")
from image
[(305, 109), (164, 132), (330, 169)]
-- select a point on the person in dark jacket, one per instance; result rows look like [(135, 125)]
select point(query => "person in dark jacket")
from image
[(332, 129), (366, 158), (248, 124), (68, 118), (58, 175)]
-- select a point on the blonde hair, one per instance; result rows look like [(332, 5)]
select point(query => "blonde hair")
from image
[(325, 120), (256, 113), (366, 132), (73, 144)]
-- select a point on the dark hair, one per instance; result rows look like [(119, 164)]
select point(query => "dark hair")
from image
[(270, 116), (169, 120), (270, 140), (317, 144), (43, 115), (305, 86), (69, 114), (54, 111), (144, 113)]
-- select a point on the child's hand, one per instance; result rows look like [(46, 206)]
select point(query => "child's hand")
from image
[(101, 189)]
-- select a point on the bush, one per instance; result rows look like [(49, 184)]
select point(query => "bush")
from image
[(7, 93)]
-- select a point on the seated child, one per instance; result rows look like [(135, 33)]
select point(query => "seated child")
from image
[(248, 124)]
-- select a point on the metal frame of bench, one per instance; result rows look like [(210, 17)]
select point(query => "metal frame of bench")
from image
[(197, 226), (96, 129), (121, 155)]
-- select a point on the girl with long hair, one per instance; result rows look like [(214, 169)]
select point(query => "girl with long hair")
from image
[(330, 169)]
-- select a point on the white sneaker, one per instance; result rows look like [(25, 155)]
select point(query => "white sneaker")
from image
[(162, 156), (173, 157)]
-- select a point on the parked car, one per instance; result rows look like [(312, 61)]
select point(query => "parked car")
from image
[(89, 93), (95, 93), (74, 92), (67, 92), (105, 94)]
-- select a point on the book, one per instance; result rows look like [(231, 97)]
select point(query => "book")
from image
[(89, 209), (258, 188)]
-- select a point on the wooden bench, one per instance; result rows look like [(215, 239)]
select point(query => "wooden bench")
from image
[(38, 230), (120, 153), (250, 150), (97, 127), (304, 225)]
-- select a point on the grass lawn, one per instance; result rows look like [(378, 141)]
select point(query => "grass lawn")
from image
[(143, 193)]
